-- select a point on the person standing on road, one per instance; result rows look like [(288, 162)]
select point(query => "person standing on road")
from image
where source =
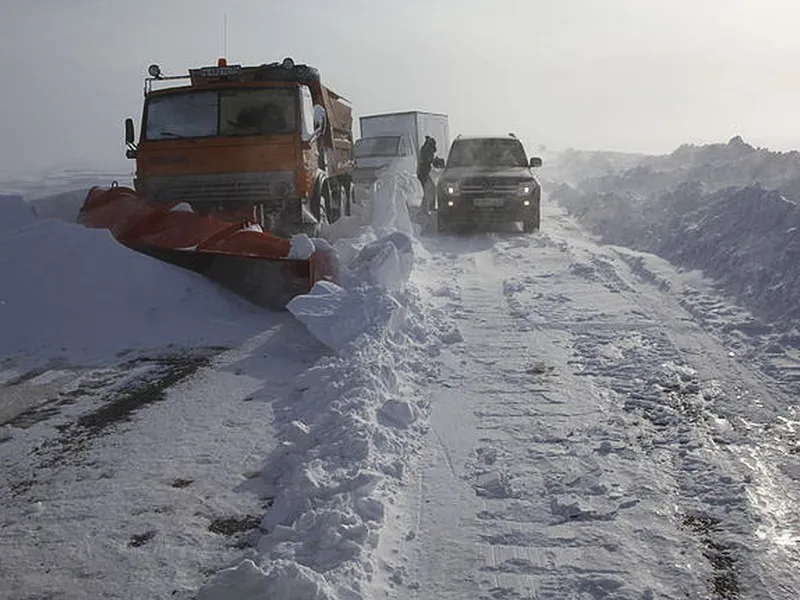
[(426, 155)]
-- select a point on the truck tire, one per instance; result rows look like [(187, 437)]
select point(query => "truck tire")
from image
[(348, 198), (335, 200), (320, 207)]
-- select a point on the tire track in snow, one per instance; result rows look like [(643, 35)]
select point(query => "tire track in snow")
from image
[(668, 443), (682, 408), (549, 453)]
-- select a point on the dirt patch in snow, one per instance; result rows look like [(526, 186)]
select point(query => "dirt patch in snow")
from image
[(725, 579)]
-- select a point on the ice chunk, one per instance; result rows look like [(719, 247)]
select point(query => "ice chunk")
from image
[(329, 313), (284, 579), (302, 247), (182, 207), (399, 412), (386, 262)]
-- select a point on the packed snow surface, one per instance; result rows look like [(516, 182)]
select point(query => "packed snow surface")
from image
[(14, 212)]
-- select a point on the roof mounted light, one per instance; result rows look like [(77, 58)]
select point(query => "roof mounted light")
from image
[(154, 70), (222, 62), (287, 63)]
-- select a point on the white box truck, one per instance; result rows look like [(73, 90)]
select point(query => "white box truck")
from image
[(394, 139)]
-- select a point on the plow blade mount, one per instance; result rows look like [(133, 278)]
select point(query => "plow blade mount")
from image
[(248, 261)]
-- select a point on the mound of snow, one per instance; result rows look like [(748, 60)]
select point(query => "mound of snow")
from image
[(703, 208), (63, 206), (77, 294), (302, 246), (348, 433), (14, 212), (283, 579), (376, 256), (347, 436)]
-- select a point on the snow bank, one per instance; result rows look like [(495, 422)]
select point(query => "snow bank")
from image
[(376, 253), (285, 580), (348, 433), (63, 205), (76, 294), (351, 427), (14, 212), (729, 210), (338, 315)]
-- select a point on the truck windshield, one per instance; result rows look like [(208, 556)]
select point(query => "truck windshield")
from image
[(210, 113), (487, 153), (377, 146)]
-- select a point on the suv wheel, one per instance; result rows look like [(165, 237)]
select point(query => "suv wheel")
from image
[(441, 224), (531, 225)]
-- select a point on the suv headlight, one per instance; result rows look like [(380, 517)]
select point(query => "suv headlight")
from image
[(526, 188), (450, 188)]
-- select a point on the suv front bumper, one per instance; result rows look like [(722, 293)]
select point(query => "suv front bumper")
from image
[(488, 210)]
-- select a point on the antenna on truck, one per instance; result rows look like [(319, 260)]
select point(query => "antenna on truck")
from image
[(224, 34)]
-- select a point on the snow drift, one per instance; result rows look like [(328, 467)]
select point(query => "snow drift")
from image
[(355, 421), (76, 294), (728, 209), (14, 213), (376, 255), (80, 296)]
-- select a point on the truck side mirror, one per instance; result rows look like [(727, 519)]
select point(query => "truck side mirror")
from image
[(130, 134), (438, 163), (536, 161)]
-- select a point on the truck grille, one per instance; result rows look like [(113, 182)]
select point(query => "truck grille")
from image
[(486, 186), (222, 188)]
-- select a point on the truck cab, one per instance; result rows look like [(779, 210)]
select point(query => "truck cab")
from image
[(268, 144)]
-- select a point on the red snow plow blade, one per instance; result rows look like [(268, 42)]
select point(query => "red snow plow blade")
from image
[(250, 262)]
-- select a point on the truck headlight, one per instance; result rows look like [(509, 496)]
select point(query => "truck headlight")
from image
[(525, 188)]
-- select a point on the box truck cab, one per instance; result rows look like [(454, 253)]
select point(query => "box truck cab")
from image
[(374, 153)]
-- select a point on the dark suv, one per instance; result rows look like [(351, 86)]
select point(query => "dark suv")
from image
[(488, 180)]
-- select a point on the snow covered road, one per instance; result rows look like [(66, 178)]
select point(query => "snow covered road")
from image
[(143, 481), (536, 416), (589, 439)]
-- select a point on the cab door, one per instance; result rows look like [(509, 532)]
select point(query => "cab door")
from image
[(309, 145)]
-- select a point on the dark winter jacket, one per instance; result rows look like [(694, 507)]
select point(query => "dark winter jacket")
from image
[(426, 154)]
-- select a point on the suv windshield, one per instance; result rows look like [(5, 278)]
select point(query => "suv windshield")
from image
[(377, 146), (222, 113), (487, 153)]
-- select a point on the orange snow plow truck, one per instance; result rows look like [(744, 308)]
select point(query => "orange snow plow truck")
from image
[(231, 167)]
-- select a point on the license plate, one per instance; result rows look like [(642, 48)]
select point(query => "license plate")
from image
[(486, 202)]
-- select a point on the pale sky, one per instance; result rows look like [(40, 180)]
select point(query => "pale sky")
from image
[(630, 75)]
